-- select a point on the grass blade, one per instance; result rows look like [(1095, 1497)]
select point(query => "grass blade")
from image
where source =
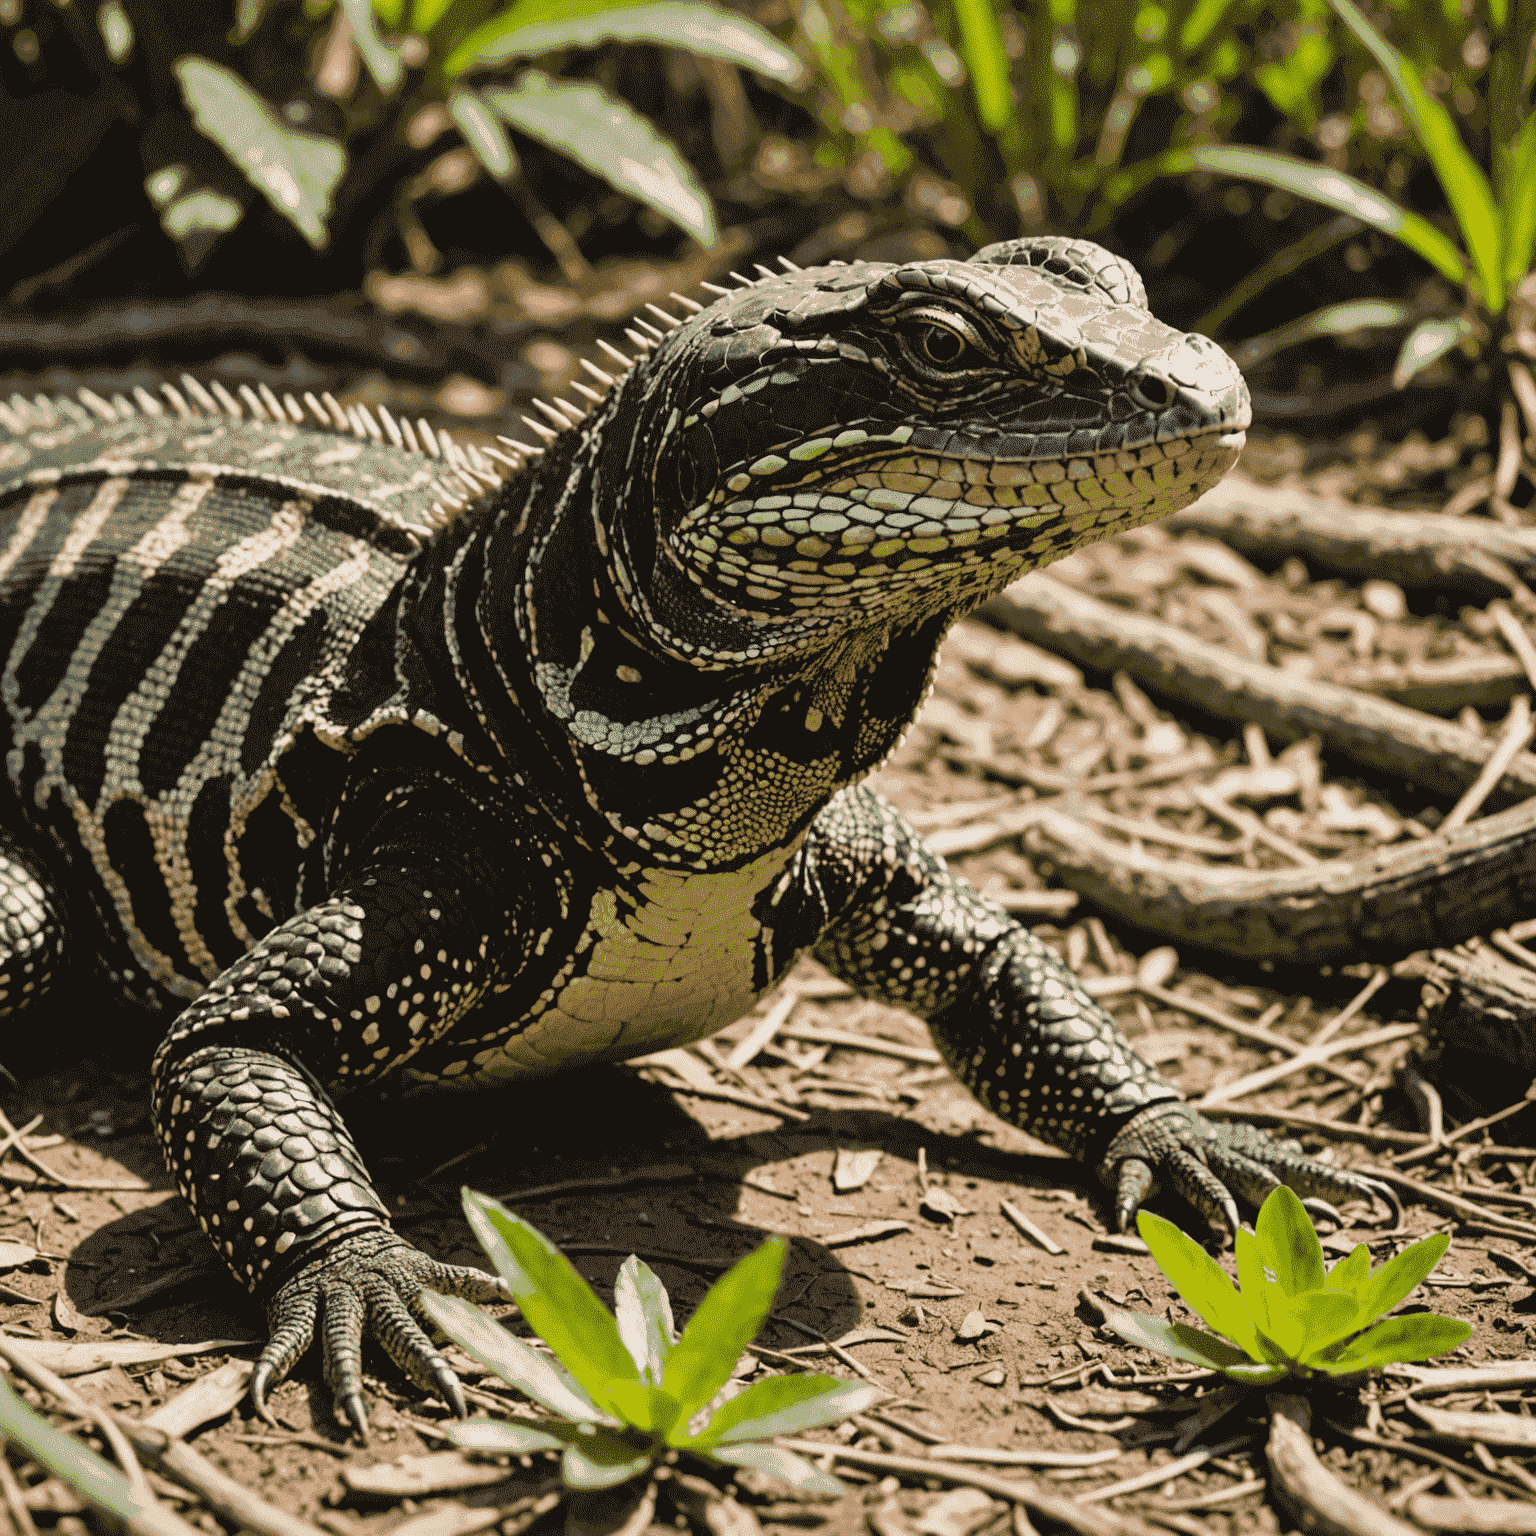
[(1520, 206), (611, 140), (482, 131), (727, 1320), (559, 1305), (1333, 189), (1461, 177), (981, 46), (91, 1476)]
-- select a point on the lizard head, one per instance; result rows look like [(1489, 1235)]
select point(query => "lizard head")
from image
[(852, 447)]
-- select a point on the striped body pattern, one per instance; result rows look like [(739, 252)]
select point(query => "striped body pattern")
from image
[(347, 751)]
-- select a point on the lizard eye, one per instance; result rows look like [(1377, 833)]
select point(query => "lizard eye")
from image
[(942, 345)]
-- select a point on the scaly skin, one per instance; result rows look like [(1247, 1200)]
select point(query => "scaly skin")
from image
[(578, 778)]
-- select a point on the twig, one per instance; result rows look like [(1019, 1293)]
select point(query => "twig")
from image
[(1155, 1477), (1517, 731), (1379, 979), (1030, 1230), (1311, 1056), (1432, 1194), (102, 1416), (1295, 1120), (1076, 1517), (849, 1040), (1250, 825), (1318, 1501), (11, 1140), (15, 1501)]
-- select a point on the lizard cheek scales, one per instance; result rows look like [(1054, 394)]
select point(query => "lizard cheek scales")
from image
[(341, 785)]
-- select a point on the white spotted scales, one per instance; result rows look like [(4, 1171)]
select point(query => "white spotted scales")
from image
[(346, 751)]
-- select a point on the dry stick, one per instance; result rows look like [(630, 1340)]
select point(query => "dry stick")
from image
[(1432, 1194), (1250, 825), (1516, 638), (1082, 1519), (1309, 1057), (1500, 939), (1422, 895), (15, 1502), (12, 1142), (1517, 732), (1414, 549), (1524, 387), (1379, 979), (173, 1457), (1166, 660), (1294, 1120), (1318, 1501), (1155, 1477)]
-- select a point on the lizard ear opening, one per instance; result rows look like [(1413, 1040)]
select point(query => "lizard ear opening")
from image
[(1071, 263)]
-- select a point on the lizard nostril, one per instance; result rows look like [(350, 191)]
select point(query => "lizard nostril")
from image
[(1150, 390)]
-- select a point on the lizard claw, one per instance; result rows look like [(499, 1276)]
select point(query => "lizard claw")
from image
[(369, 1282), (1211, 1166)]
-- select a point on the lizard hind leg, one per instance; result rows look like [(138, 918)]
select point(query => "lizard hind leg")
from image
[(31, 931)]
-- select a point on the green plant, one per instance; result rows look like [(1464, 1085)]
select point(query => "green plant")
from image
[(1494, 209), (1291, 1317), (622, 1393)]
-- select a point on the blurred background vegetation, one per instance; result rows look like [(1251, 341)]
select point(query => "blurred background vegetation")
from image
[(1345, 197)]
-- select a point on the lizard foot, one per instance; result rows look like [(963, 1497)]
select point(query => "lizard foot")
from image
[(1175, 1146), (371, 1280)]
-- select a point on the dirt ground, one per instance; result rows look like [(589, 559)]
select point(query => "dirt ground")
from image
[(916, 1277)]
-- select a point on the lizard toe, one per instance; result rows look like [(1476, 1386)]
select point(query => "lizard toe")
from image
[(291, 1324), (1135, 1185), (342, 1343), (407, 1344)]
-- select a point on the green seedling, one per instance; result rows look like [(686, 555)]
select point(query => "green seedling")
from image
[(1494, 215), (1291, 1317), (621, 1392)]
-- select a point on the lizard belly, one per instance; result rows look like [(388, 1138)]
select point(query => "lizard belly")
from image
[(671, 958)]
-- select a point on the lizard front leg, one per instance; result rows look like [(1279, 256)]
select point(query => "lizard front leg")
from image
[(1018, 1029), (341, 992)]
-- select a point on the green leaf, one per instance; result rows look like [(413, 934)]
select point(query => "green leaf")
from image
[(1176, 1339), (519, 1365), (1201, 22), (1399, 1276), (646, 1407), (981, 46), (1519, 233), (509, 1437), (1263, 1300), (482, 131), (1288, 1242), (1414, 1337), (558, 1304), (644, 1314), (296, 172), (1461, 177), (1333, 189), (726, 1321), (786, 1405), (1199, 1279), (611, 140), (1324, 1318), (88, 1475), (1348, 1274), (1427, 343), (532, 28), (776, 1462), (602, 1461), (380, 60)]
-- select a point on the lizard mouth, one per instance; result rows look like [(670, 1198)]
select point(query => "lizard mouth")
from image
[(888, 524)]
